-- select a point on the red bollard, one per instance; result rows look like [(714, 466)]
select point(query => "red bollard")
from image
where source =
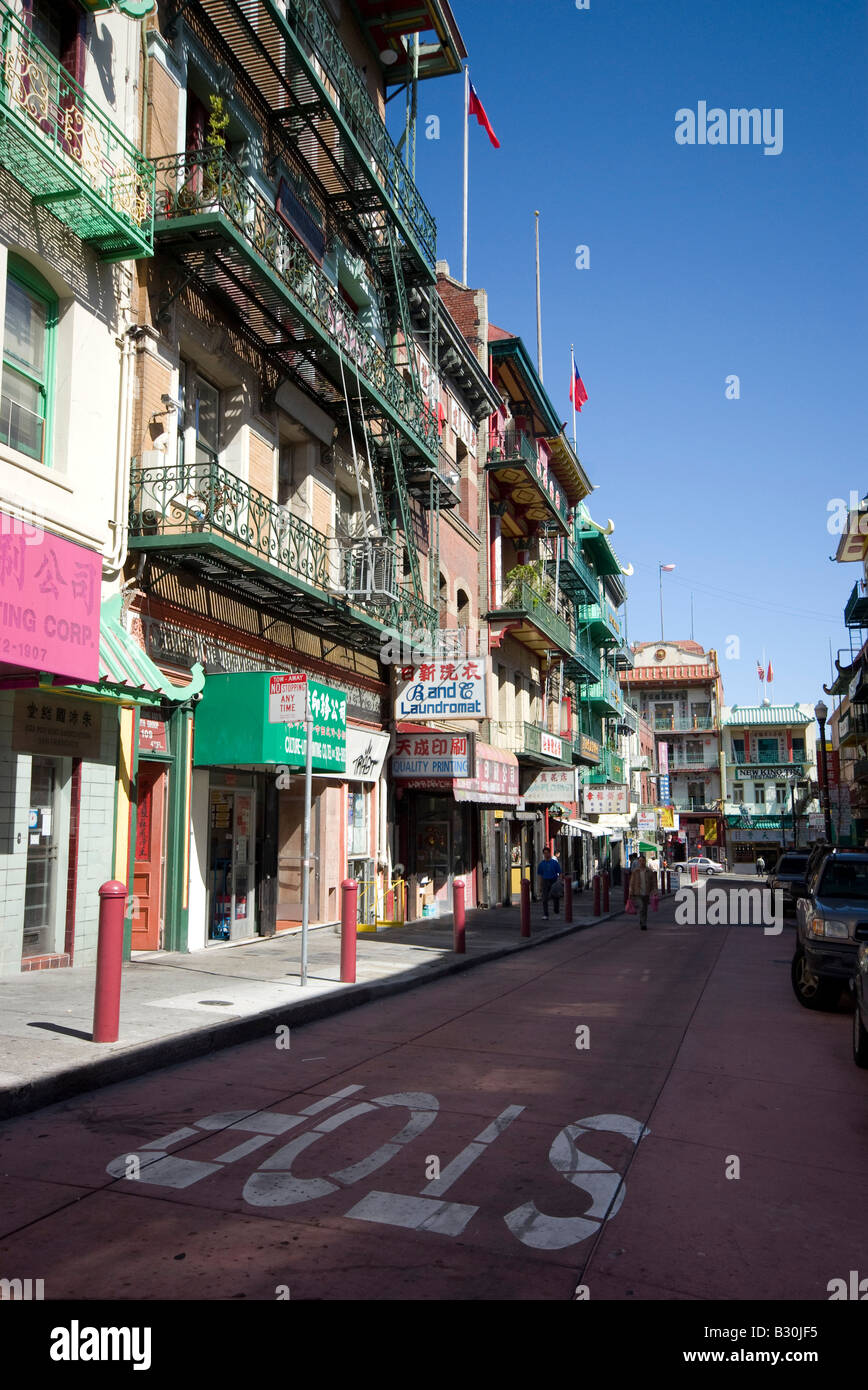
[(605, 892), (458, 916), (694, 873), (525, 907), (349, 926), (109, 961), (568, 898), (596, 895)]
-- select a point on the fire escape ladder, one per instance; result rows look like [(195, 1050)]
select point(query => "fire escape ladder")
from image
[(404, 510)]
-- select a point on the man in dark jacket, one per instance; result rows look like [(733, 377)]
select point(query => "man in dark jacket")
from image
[(642, 884), (548, 872)]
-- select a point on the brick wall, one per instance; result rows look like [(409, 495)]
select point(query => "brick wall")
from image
[(150, 382)]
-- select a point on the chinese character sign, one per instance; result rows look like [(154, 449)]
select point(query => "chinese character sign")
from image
[(442, 690), (553, 785), (604, 799), (431, 754), (49, 602)]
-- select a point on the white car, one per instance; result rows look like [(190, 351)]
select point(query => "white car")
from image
[(703, 865)]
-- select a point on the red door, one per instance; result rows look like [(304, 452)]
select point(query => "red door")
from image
[(148, 866)]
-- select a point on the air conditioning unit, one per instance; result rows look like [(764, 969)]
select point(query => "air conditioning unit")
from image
[(370, 569)]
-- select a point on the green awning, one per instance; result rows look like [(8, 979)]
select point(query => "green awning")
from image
[(646, 848), (127, 675)]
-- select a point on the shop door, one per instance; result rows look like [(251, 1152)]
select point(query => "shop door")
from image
[(433, 860), (148, 865), (41, 881), (231, 875)]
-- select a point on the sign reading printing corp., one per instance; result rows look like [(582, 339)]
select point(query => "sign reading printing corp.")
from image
[(442, 690), (49, 602)]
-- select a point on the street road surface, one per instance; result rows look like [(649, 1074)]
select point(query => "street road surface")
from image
[(637, 1115)]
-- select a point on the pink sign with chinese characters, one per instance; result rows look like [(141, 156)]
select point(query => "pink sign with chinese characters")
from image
[(49, 602)]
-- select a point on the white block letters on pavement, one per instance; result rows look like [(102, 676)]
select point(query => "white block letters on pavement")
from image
[(274, 1184)]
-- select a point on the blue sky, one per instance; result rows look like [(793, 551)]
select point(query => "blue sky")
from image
[(705, 261)]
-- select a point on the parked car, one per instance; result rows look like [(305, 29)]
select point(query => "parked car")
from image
[(859, 986), (790, 876), (705, 866), (831, 923)]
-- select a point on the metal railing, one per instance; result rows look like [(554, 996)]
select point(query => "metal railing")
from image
[(764, 757), (514, 449), (852, 724), (67, 152), (522, 598), (687, 724), (205, 498), (517, 736), (204, 184), (601, 615), (312, 24), (572, 556), (379, 905), (610, 768)]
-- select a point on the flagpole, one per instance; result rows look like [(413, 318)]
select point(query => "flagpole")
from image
[(464, 241), (539, 364), (660, 578), (573, 388)]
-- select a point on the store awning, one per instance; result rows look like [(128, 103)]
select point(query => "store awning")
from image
[(127, 675), (496, 780), (645, 847), (581, 827)]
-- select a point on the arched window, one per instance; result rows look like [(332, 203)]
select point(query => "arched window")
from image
[(462, 608)]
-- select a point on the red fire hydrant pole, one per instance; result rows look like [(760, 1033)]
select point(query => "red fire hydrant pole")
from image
[(606, 892), (109, 962), (568, 898), (349, 925), (458, 916), (525, 907), (596, 895)]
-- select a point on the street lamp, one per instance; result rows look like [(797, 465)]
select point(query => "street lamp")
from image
[(821, 711)]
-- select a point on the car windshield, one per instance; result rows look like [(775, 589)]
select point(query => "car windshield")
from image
[(841, 880), (792, 864)]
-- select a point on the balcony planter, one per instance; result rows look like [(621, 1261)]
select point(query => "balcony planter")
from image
[(533, 575)]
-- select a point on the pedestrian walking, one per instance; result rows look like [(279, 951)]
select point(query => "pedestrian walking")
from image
[(760, 865), (642, 885), (549, 872)]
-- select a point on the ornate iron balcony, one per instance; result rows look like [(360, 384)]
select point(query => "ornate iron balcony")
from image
[(202, 509), (67, 154), (294, 54), (207, 190)]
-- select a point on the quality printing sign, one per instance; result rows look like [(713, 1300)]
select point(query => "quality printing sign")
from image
[(552, 784), (442, 690), (432, 754)]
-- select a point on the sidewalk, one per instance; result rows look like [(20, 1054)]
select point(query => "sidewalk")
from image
[(175, 1006)]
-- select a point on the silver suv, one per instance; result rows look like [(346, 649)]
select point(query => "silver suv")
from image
[(831, 923)]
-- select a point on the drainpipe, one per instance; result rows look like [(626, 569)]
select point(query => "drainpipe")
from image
[(113, 563)]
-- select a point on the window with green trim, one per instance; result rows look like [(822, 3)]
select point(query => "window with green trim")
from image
[(28, 353)]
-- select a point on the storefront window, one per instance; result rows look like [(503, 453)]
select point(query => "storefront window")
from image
[(358, 834), (231, 865), (41, 881)]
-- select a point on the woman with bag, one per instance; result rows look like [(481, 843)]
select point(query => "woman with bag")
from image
[(642, 885)]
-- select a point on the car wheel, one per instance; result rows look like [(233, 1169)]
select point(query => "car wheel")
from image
[(811, 991), (860, 1040)]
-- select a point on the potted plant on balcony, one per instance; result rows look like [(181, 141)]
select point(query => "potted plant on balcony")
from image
[(534, 575)]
